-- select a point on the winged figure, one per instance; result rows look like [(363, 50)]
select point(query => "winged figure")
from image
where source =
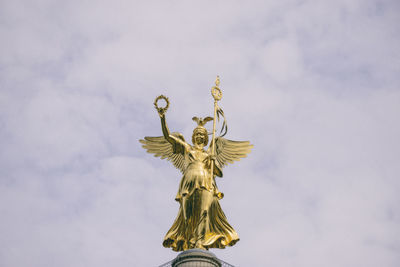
[(200, 222)]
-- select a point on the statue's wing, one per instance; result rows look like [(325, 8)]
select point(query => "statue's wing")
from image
[(160, 147), (228, 151)]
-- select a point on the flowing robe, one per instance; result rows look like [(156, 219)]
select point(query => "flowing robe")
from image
[(200, 223)]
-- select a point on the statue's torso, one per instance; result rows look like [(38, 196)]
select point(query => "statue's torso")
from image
[(197, 173)]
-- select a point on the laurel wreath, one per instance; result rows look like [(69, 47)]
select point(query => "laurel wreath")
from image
[(161, 110)]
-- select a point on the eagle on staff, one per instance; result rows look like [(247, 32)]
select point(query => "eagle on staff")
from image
[(200, 222)]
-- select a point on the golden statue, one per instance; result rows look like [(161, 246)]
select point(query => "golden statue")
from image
[(200, 223)]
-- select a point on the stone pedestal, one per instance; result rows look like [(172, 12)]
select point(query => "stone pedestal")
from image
[(196, 258)]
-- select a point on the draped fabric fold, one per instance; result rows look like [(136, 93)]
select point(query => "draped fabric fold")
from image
[(200, 223), (205, 228)]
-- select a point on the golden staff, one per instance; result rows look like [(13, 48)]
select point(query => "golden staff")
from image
[(217, 95)]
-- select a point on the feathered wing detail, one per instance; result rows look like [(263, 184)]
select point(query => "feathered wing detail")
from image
[(228, 151), (207, 119), (201, 121), (160, 147)]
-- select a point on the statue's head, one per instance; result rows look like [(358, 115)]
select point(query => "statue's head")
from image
[(200, 134)]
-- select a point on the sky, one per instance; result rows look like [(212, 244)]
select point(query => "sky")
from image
[(314, 85)]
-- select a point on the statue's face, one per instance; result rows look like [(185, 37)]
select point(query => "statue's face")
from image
[(199, 138)]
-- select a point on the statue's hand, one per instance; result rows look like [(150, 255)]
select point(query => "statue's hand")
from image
[(161, 112), (211, 158)]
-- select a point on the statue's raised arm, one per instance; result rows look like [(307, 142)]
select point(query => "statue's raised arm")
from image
[(169, 146)]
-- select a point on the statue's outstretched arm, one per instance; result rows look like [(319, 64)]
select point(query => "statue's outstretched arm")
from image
[(165, 130), (172, 139)]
